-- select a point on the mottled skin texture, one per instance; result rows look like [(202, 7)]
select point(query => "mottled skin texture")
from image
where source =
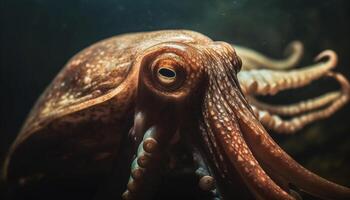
[(111, 109)]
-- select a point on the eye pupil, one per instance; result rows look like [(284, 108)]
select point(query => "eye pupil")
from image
[(166, 72)]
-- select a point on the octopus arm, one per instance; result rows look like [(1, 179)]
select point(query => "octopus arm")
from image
[(304, 112), (229, 137), (273, 157), (264, 81), (255, 60)]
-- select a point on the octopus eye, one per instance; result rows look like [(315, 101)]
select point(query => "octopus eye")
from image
[(166, 75)]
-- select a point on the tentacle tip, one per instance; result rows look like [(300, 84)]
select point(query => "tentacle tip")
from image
[(330, 54), (294, 46), (345, 85)]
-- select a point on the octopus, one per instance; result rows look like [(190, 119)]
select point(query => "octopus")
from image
[(135, 108)]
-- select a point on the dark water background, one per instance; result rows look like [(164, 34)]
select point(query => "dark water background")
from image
[(39, 36)]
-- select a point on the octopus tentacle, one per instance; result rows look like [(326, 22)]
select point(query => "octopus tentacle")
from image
[(206, 177), (275, 122), (140, 167), (213, 147), (267, 152), (274, 158), (254, 60), (261, 185), (227, 132), (296, 108), (263, 82)]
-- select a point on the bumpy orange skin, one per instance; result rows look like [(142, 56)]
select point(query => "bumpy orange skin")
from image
[(84, 114)]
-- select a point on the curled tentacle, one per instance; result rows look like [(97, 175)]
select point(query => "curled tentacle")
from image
[(274, 158), (141, 167), (254, 60), (263, 82), (274, 122), (269, 155), (296, 108)]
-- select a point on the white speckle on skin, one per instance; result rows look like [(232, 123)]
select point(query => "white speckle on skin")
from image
[(87, 80), (239, 158)]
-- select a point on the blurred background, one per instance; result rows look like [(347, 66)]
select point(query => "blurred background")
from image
[(39, 36)]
